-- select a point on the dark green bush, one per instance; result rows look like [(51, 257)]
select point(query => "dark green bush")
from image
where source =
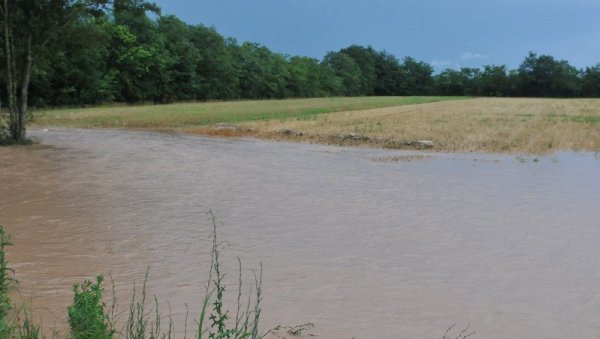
[(87, 318)]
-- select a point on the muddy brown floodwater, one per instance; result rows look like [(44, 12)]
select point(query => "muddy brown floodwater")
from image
[(360, 242)]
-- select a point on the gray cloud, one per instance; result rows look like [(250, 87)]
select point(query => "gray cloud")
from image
[(445, 64), (472, 56)]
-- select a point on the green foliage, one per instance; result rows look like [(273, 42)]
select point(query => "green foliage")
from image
[(307, 78), (365, 59), (218, 316), (217, 65), (15, 322), (262, 73), (87, 316), (136, 7), (450, 82), (179, 80), (494, 81), (79, 71), (467, 81), (6, 276), (591, 81), (5, 138), (139, 324), (389, 74), (543, 76), (27, 329), (351, 80), (417, 77)]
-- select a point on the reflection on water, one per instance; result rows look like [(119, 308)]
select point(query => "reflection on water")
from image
[(357, 245)]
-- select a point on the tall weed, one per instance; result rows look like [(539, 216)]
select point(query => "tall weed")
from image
[(247, 316)]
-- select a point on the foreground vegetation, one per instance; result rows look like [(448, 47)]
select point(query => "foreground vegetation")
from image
[(505, 125), (89, 316)]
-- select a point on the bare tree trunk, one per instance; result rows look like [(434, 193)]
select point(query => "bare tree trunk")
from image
[(25, 88), (10, 70)]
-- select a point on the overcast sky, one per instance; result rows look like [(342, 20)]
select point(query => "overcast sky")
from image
[(444, 33)]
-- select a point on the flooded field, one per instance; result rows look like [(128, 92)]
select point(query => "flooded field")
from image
[(363, 243)]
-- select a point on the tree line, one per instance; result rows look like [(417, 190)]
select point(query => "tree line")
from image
[(87, 52)]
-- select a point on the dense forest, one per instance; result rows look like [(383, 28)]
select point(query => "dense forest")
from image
[(125, 51)]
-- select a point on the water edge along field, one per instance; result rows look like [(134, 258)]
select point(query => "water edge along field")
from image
[(453, 124)]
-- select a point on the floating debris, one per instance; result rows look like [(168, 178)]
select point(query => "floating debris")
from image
[(287, 131), (298, 330), (222, 125)]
